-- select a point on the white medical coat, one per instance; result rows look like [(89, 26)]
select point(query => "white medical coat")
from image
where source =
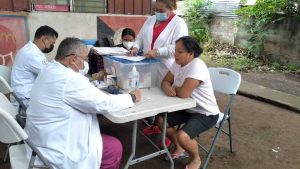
[(165, 42), (61, 117), (27, 65)]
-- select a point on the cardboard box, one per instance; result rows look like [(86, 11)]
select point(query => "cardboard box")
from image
[(147, 69)]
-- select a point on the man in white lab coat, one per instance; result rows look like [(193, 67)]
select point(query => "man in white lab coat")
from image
[(61, 117), (29, 61)]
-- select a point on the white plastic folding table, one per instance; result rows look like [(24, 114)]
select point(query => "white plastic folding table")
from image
[(154, 101)]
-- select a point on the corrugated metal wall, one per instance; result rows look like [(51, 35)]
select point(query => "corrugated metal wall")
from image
[(223, 8), (134, 7), (90, 6), (14, 5)]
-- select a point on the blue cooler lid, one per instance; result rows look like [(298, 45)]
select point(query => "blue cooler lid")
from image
[(125, 61), (89, 41)]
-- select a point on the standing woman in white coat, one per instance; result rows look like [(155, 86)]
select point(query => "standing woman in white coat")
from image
[(158, 35)]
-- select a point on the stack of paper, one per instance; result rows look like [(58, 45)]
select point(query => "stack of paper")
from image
[(110, 50), (131, 58)]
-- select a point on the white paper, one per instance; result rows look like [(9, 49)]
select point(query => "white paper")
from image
[(110, 50), (131, 58)]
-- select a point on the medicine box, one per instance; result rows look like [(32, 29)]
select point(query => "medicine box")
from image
[(147, 69)]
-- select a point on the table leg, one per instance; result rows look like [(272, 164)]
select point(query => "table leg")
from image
[(133, 144), (132, 160), (164, 140)]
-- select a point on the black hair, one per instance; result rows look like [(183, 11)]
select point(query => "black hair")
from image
[(69, 46), (45, 31), (128, 31), (191, 45), (170, 3)]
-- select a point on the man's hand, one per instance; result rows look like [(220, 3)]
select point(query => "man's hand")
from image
[(99, 76), (138, 95)]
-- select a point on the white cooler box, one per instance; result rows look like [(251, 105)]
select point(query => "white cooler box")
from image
[(147, 69)]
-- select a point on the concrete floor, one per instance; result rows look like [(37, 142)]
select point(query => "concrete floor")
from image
[(265, 136)]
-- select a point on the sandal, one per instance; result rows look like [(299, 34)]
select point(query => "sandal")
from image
[(152, 129), (176, 156)]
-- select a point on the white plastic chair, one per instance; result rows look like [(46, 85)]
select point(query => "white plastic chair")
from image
[(5, 86), (5, 80), (3, 58), (7, 91), (11, 132), (225, 81), (5, 72)]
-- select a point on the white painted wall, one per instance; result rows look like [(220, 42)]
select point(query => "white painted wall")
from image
[(80, 25)]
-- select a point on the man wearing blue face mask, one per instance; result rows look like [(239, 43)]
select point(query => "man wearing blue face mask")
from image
[(30, 60)]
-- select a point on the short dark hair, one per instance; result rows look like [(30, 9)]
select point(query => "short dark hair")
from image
[(128, 31), (170, 3), (45, 31), (69, 46), (191, 45)]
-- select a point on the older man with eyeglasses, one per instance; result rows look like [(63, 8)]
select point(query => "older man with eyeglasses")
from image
[(62, 114)]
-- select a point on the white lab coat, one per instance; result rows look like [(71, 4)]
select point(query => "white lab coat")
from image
[(61, 117), (165, 43), (27, 65)]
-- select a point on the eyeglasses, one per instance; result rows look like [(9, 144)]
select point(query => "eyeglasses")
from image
[(77, 56), (84, 59)]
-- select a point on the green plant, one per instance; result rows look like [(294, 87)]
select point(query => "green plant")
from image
[(292, 67), (258, 18), (224, 55), (198, 23), (275, 66)]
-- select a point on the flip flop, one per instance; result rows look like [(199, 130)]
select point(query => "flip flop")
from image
[(179, 156), (176, 156), (186, 167)]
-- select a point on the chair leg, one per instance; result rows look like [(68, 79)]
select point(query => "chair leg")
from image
[(6, 154), (230, 134), (213, 144)]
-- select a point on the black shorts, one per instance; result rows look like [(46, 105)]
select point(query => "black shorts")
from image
[(194, 123)]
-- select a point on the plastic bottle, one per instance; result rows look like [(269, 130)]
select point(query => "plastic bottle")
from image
[(134, 79)]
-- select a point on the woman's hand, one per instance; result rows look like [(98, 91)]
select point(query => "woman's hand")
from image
[(138, 95), (150, 54), (170, 91), (133, 52)]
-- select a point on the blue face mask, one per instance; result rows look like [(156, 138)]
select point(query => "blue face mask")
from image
[(161, 16)]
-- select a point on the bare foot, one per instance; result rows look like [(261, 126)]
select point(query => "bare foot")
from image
[(194, 164)]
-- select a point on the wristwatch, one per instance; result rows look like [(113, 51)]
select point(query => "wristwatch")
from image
[(133, 97)]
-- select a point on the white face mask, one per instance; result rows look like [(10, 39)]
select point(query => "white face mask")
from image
[(128, 45), (86, 68)]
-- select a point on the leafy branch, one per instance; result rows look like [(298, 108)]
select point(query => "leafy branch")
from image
[(198, 23), (258, 18)]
